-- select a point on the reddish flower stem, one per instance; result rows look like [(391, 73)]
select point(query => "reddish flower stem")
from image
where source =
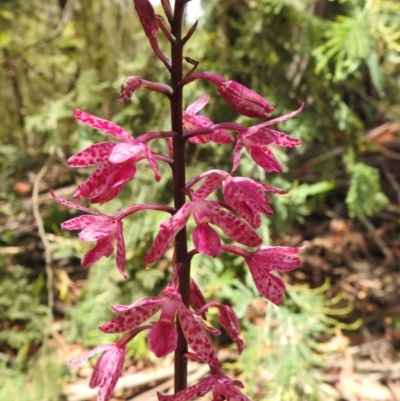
[(178, 170)]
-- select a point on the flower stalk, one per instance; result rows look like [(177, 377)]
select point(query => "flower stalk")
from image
[(181, 327)]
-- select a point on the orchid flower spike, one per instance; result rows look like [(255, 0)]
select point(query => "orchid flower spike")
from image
[(117, 160), (96, 226)]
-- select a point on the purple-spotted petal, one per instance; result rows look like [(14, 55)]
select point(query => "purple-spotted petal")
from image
[(228, 319), (74, 205), (237, 152), (80, 222), (120, 258), (103, 125), (276, 258), (210, 184), (167, 233), (163, 338), (94, 154), (127, 151), (198, 390), (197, 105), (270, 286), (104, 247), (197, 299), (133, 317), (100, 229), (232, 226), (87, 355), (195, 336), (206, 240), (263, 156)]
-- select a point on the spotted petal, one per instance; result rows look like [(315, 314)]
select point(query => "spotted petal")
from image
[(133, 316), (103, 125)]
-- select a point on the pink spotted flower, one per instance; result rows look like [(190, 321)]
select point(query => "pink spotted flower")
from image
[(96, 226), (108, 368), (263, 261), (191, 121), (222, 387), (257, 140), (117, 160), (205, 238), (163, 336)]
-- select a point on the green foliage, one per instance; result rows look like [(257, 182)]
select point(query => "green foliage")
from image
[(364, 196)]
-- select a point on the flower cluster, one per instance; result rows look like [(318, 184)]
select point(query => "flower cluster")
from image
[(237, 215)]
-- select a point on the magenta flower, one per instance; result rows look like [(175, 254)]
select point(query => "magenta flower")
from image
[(95, 226), (108, 368), (264, 260), (223, 389), (256, 140), (163, 334), (117, 160), (205, 238), (191, 122)]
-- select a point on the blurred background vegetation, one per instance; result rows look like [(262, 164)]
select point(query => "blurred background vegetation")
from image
[(341, 58)]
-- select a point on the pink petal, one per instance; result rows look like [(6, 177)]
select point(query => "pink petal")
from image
[(167, 233), (197, 105), (79, 223), (104, 247), (227, 390), (211, 183), (105, 178), (133, 316), (197, 299), (163, 338), (87, 355), (198, 390), (127, 151), (153, 163), (94, 154), (74, 205), (103, 125), (286, 140), (106, 196), (271, 287), (276, 258), (262, 136), (196, 337), (232, 226), (206, 240), (228, 319), (221, 137), (99, 229), (264, 157), (237, 152), (121, 250), (110, 372)]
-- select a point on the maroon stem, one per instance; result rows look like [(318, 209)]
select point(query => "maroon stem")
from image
[(178, 170)]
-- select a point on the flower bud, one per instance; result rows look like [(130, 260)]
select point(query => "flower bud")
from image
[(244, 100), (146, 15)]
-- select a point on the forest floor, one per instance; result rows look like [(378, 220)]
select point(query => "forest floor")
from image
[(361, 258)]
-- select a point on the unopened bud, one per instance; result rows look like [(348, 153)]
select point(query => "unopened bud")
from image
[(241, 99), (244, 100), (129, 86), (146, 15)]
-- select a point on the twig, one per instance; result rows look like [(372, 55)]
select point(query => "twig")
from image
[(42, 233), (392, 180), (378, 241)]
